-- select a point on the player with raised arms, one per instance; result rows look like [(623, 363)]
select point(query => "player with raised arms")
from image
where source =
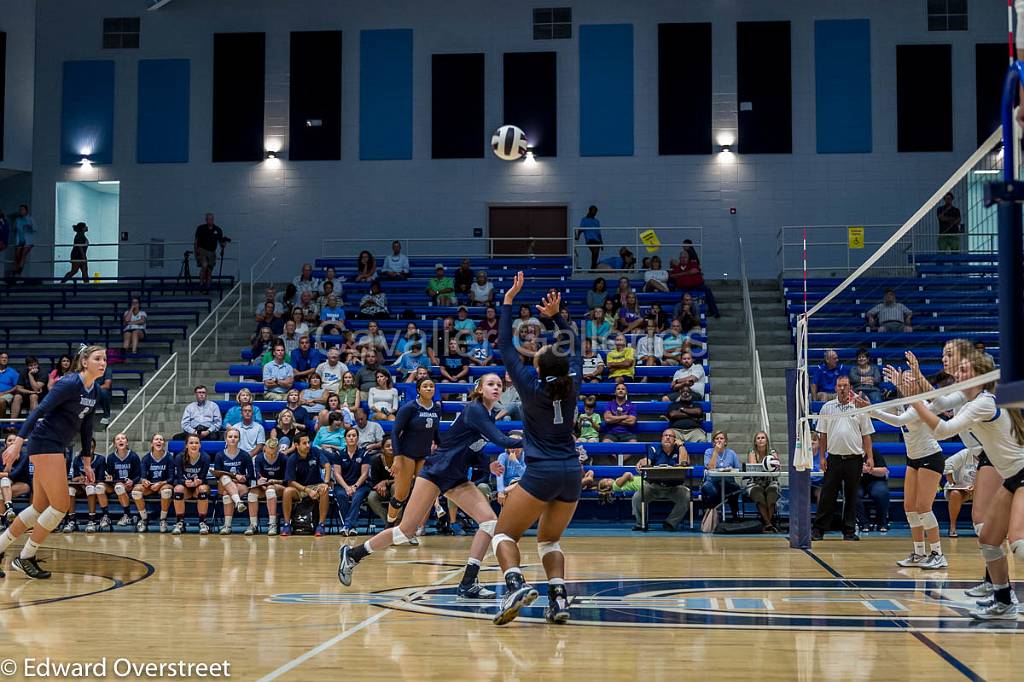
[(550, 488), (65, 411), (446, 472), (415, 433)]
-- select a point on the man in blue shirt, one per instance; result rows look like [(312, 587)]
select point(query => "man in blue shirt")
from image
[(305, 359), (823, 383), (667, 453), (8, 384), (590, 229)]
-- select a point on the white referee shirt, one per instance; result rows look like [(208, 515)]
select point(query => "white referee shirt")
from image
[(992, 427), (916, 435), (963, 467), (845, 433)]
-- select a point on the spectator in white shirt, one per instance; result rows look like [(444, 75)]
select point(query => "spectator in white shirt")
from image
[(482, 291), (396, 266), (593, 363), (201, 418), (656, 279), (251, 434), (278, 375), (383, 398), (306, 281), (370, 433), (650, 349), (689, 374), (890, 316), (331, 371)]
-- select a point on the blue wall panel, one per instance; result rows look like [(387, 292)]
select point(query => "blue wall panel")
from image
[(606, 90), (385, 94), (87, 112), (163, 110), (842, 75)]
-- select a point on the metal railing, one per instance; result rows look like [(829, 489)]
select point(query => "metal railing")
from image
[(665, 242), (214, 320), (149, 258), (755, 357), (272, 249), (141, 394)]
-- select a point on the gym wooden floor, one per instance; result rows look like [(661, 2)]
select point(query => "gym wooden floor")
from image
[(661, 607)]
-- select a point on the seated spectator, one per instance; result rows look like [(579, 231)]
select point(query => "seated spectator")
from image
[(763, 491), (611, 309), (621, 361), (234, 415), (527, 318), (620, 418), (687, 276), (30, 388), (480, 351), (372, 338), (350, 351), (289, 338), (314, 395), (490, 323), (463, 325), (687, 314), (269, 296), (332, 317), (310, 310), (370, 433), (660, 317), (330, 371), (410, 361), (464, 277), (823, 380), (374, 305), (866, 378), (289, 299), (598, 294), (381, 480), (874, 485), (656, 278), (526, 342), (719, 457), (686, 418), (396, 266), (332, 285), (597, 327), (650, 349), (348, 392), (306, 281), (960, 471), (563, 310), (690, 251), (61, 369), (278, 375), (301, 326), (251, 433), (514, 467), (334, 405), (332, 436), (588, 422), (890, 316), (667, 453), (412, 335), (624, 261), (366, 267), (510, 406), (366, 377), (630, 317), (383, 398), (269, 319), (285, 431), (482, 291), (624, 289), (674, 343), (133, 326), (201, 418), (305, 473), (305, 358), (690, 374), (293, 404), (454, 364), (441, 289), (593, 363)]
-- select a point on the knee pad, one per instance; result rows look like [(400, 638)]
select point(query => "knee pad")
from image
[(119, 489), (1017, 547), (545, 548), (28, 516), (914, 519), (498, 539), (166, 493), (71, 492), (226, 499), (225, 480), (992, 552), (5, 482), (929, 521), (398, 537), (136, 494), (977, 529), (396, 503), (203, 496), (90, 490), (179, 496), (271, 494), (253, 498), (50, 518), (489, 526)]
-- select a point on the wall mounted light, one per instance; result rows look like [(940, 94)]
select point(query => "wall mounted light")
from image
[(271, 155), (530, 157), (725, 148), (85, 162)]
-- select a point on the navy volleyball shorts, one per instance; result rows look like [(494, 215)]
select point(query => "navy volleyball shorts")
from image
[(549, 480)]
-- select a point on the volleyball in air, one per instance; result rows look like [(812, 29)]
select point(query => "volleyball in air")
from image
[(509, 143)]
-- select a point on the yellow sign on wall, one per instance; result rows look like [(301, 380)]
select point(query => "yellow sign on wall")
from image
[(650, 239), (855, 237)]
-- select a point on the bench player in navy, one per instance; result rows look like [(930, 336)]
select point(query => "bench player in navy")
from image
[(550, 488), (306, 475), (415, 434), (123, 472), (270, 471), (446, 472), (350, 469), (234, 472), (66, 411), (157, 479), (190, 484), (77, 483), (14, 481)]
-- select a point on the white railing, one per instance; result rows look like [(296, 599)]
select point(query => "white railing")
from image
[(131, 259), (253, 275), (755, 357), (141, 394), (213, 321)]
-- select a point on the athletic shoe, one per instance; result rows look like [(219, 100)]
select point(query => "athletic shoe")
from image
[(817, 535), (286, 529), (557, 611), (414, 541), (9, 513), (141, 526), (70, 526), (30, 567), (345, 566), (913, 561), (852, 537), (105, 522), (203, 528), (884, 528), (421, 531), (997, 610), (179, 528), (989, 600), (320, 530), (513, 602), (344, 531), (934, 562), (90, 527), (239, 506), (225, 529), (474, 591), (251, 530), (124, 521), (272, 529), (104, 421), (163, 525), (982, 589), (352, 532)]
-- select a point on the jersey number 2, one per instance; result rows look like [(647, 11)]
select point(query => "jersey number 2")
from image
[(557, 405)]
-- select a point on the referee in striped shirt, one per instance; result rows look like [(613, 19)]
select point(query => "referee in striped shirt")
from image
[(847, 442)]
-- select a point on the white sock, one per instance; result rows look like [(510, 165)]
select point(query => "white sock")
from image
[(936, 547), (5, 540), (228, 519), (144, 515), (163, 514), (273, 519), (235, 498), (514, 569), (556, 581), (919, 548), (369, 550), (29, 550)]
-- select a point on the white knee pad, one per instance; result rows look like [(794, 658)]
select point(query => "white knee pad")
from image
[(71, 491), (28, 516), (977, 528), (50, 518), (914, 519), (992, 552), (5, 482), (136, 494), (166, 492), (398, 537), (225, 479), (271, 494), (253, 498), (489, 526), (90, 490), (226, 499), (498, 539), (929, 521), (545, 548), (1017, 547), (119, 489)]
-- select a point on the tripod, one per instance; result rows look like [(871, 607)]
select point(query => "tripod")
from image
[(185, 272)]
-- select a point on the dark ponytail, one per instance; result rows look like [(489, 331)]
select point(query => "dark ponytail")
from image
[(553, 368)]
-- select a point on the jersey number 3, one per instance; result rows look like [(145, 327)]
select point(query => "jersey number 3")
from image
[(557, 406)]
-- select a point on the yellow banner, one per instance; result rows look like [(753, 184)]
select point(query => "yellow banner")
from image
[(650, 240), (855, 237)]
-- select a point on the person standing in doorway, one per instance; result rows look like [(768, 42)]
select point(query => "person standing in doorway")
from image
[(950, 225), (24, 237), (590, 229), (208, 238), (79, 260)]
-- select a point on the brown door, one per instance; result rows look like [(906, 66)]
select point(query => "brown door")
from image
[(526, 230)]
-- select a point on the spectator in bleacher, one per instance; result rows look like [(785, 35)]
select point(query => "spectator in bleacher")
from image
[(396, 266), (331, 284), (285, 431), (620, 418), (490, 323), (513, 466), (234, 415), (960, 471), (510, 405), (687, 275), (597, 327), (412, 335), (441, 288), (588, 422), (525, 342), (29, 389), (463, 325), (374, 305), (366, 267), (890, 315), (624, 261), (454, 365), (611, 309), (650, 348), (349, 349), (719, 457), (629, 318), (674, 343), (370, 433), (874, 485), (823, 382), (314, 395), (482, 291), (464, 277), (570, 323), (590, 230), (687, 314), (525, 317), (480, 351), (269, 296), (278, 375), (290, 338), (866, 378), (59, 370), (301, 326), (310, 309), (331, 371), (624, 289), (621, 361), (332, 436), (333, 404), (201, 418), (666, 453), (686, 418), (690, 374), (293, 402), (382, 399), (373, 338), (366, 377), (660, 317), (763, 490), (410, 361), (656, 278), (133, 326), (332, 317), (348, 392), (950, 225), (208, 238), (304, 359), (306, 281), (270, 320), (593, 363), (598, 294), (251, 433)]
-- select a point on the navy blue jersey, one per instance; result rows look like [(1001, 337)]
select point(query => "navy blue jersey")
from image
[(306, 470), (188, 469), (656, 456), (127, 469), (19, 472), (240, 464), (65, 411), (157, 470), (99, 467), (272, 471), (378, 470), (462, 446), (416, 429), (351, 464), (547, 425)]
